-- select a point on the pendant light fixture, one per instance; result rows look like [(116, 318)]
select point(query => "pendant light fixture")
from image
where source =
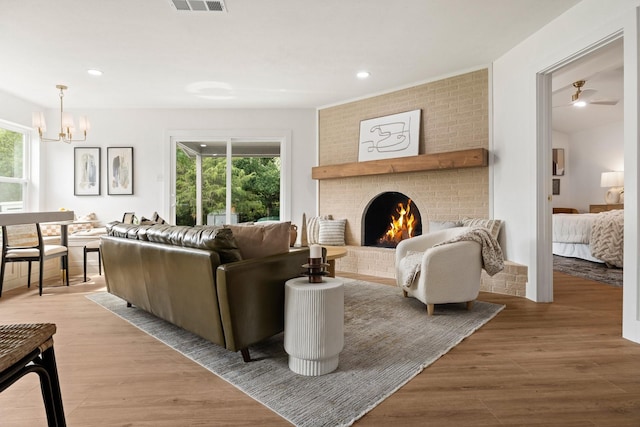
[(67, 126)]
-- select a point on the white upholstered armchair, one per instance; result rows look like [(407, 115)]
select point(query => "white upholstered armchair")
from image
[(447, 274)]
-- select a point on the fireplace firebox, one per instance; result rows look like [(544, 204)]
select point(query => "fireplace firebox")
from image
[(389, 218)]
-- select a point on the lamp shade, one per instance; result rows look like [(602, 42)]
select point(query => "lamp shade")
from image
[(612, 179), (37, 121)]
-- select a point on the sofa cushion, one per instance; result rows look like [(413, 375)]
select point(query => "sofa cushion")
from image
[(213, 238), (258, 240), (129, 231)]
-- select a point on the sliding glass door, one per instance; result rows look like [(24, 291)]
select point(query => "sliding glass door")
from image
[(228, 181)]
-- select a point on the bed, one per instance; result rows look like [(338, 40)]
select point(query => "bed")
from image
[(593, 237)]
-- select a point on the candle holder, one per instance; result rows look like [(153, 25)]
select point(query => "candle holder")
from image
[(315, 270)]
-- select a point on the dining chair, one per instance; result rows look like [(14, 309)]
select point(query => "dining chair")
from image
[(23, 243), (27, 348)]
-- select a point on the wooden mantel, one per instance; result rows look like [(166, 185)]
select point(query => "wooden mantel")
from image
[(471, 158)]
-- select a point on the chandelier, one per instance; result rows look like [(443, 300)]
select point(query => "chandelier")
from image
[(67, 127)]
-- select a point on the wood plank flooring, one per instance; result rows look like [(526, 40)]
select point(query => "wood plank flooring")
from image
[(559, 364)]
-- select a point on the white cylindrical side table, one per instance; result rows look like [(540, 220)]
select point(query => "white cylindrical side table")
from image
[(313, 325)]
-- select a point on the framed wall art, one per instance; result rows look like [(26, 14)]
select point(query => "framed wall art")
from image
[(555, 186), (391, 136), (558, 161), (119, 170), (86, 171)]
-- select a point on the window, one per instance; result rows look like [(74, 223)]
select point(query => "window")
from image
[(13, 167), (232, 181)]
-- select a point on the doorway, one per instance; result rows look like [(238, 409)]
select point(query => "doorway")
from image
[(587, 127)]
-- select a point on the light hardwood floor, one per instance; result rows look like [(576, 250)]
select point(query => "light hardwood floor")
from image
[(559, 364)]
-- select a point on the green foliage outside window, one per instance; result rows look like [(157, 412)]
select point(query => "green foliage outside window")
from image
[(255, 191), (11, 164)]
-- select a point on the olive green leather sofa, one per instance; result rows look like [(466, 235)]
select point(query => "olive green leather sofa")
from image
[(197, 279)]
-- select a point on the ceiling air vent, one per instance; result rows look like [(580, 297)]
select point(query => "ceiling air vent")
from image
[(199, 5)]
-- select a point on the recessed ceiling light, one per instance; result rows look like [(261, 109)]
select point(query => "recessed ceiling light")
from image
[(94, 72), (363, 74)]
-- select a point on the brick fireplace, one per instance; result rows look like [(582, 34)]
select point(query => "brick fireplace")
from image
[(454, 117)]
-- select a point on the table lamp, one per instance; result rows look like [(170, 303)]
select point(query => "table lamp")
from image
[(615, 182)]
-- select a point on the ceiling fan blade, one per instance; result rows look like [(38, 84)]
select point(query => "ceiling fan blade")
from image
[(587, 93), (604, 102)]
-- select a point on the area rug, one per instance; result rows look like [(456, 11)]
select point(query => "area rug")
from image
[(389, 339), (588, 270)]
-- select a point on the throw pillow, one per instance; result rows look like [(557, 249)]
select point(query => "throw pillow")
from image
[(331, 232), (88, 217), (313, 228), (155, 219), (73, 228), (257, 241), (442, 225), (493, 225), (50, 229)]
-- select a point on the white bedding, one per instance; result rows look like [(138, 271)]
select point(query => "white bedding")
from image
[(574, 250), (571, 233), (572, 228)]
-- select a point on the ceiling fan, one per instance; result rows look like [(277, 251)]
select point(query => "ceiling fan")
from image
[(582, 97)]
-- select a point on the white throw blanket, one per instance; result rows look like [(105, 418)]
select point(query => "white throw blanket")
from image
[(492, 257)]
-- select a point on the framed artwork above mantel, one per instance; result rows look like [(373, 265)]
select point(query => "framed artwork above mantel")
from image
[(389, 137)]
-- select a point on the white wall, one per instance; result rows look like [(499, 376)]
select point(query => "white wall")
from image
[(592, 152), (521, 170), (146, 131), (588, 153)]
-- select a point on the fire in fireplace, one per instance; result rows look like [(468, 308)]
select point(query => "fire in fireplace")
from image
[(390, 218)]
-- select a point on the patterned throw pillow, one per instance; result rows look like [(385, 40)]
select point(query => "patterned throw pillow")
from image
[(331, 232), (313, 229), (493, 225), (155, 219), (74, 228), (50, 229)]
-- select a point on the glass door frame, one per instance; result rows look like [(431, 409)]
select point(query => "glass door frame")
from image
[(281, 136)]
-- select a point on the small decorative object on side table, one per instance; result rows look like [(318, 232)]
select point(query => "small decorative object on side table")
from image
[(316, 266)]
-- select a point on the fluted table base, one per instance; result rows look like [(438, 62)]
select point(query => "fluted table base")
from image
[(314, 325)]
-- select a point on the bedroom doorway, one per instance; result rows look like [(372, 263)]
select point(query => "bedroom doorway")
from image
[(587, 126)]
